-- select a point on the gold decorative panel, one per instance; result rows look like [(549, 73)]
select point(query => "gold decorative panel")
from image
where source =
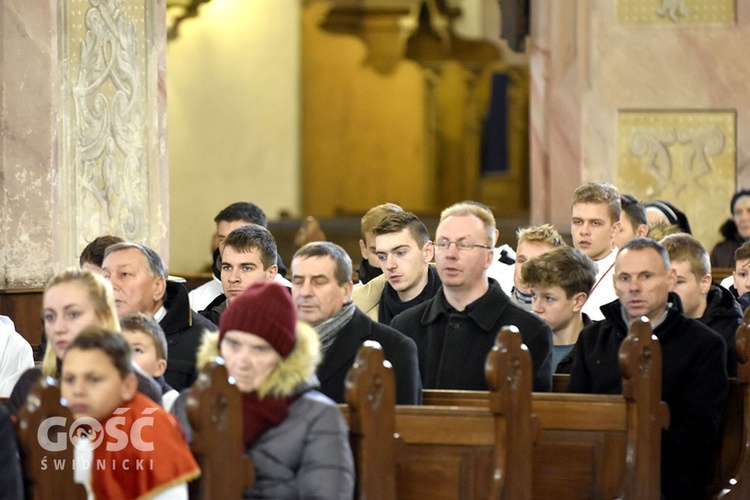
[(685, 157), (676, 11)]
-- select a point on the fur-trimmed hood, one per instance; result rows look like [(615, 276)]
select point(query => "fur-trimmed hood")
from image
[(293, 371)]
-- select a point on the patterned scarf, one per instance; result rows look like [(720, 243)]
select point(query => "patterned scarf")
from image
[(391, 305), (330, 328)]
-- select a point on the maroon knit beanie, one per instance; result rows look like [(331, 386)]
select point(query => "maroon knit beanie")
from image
[(265, 310)]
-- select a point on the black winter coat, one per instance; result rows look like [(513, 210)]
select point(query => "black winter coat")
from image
[(694, 385), (453, 346)]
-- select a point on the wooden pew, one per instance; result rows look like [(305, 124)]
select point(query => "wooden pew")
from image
[(732, 473), (443, 452), (596, 446), (47, 474), (214, 408)]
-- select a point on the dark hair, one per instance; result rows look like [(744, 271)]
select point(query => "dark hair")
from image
[(644, 243), (398, 221), (154, 264), (242, 210), (341, 259), (566, 267), (145, 323), (110, 343), (246, 238), (739, 194), (94, 251), (634, 210), (673, 214), (743, 252)]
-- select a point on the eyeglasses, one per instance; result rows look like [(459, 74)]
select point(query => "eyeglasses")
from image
[(445, 244)]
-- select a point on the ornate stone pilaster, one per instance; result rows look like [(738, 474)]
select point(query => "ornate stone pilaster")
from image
[(84, 131)]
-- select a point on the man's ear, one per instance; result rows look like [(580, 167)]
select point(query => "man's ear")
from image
[(641, 231), (272, 272), (672, 279), (348, 287), (160, 289), (429, 251), (363, 249), (616, 228), (129, 387), (161, 367), (579, 300), (705, 284)]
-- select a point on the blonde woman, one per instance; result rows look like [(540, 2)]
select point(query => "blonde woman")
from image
[(73, 300)]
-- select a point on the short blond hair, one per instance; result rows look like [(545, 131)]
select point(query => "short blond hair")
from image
[(600, 193), (683, 247), (544, 234), (376, 214), (481, 212)]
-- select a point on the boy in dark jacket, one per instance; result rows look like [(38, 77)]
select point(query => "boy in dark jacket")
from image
[(710, 304), (560, 281)]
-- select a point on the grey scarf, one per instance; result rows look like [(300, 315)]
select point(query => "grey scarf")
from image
[(330, 328)]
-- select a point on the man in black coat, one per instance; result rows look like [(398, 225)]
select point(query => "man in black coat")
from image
[(321, 289), (138, 277), (694, 377), (455, 330)]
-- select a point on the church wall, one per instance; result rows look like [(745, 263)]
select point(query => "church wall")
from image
[(649, 95), (233, 103)]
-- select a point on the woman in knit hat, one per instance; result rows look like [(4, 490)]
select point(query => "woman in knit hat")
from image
[(296, 437)]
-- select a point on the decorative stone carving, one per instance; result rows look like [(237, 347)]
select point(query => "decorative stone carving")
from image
[(109, 125), (111, 159), (677, 11), (685, 157)]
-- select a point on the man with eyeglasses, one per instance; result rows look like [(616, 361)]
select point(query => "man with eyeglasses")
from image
[(455, 330)]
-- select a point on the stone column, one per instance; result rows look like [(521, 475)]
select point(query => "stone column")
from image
[(83, 142)]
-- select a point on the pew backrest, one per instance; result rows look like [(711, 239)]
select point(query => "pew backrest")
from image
[(595, 446), (214, 408), (48, 471), (443, 452)]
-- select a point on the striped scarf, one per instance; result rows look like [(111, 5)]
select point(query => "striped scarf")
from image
[(330, 328)]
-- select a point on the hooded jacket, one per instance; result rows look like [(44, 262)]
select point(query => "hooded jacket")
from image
[(724, 315), (307, 455)]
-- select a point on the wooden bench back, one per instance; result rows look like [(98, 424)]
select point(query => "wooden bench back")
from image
[(48, 474), (732, 473), (595, 446), (443, 452), (214, 408)]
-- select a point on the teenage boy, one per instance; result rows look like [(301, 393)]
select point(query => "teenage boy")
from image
[(710, 304), (532, 241), (237, 214), (594, 222), (560, 281), (149, 346), (404, 249), (739, 282), (633, 222), (98, 383), (248, 256), (369, 267)]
